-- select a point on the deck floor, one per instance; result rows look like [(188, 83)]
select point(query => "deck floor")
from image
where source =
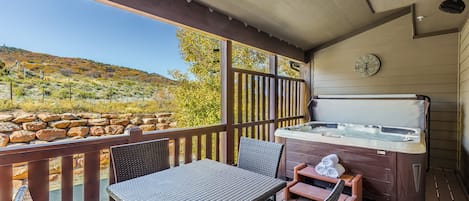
[(441, 185)]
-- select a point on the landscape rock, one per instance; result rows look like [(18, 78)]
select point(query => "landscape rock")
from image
[(150, 120), (146, 115), (78, 131), (89, 115), (136, 121), (20, 172), (76, 123), (114, 129), (130, 126), (59, 124), (6, 127), (125, 116), (50, 134), (48, 117), (96, 131), (98, 122), (110, 116), (68, 116), (4, 139), (6, 117), (34, 126), (22, 136), (148, 127), (173, 124), (24, 118), (162, 126), (163, 120), (163, 115), (119, 122)]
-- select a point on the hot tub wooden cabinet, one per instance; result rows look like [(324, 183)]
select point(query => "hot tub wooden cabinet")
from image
[(387, 175)]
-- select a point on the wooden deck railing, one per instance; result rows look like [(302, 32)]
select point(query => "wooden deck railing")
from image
[(207, 143)]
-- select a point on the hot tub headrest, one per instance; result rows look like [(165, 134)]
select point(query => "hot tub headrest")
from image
[(399, 112)]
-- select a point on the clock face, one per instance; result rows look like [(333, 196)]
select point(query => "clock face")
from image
[(368, 65)]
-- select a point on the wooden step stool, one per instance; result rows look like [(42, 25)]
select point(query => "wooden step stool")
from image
[(302, 171)]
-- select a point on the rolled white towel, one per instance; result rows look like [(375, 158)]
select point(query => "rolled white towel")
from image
[(336, 171), (321, 169), (330, 160)]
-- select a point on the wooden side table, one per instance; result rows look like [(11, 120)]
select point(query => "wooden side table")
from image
[(302, 171)]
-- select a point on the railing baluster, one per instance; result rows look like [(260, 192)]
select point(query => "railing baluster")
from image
[(91, 180), (188, 149), (38, 179), (208, 145), (6, 182), (176, 152), (199, 147), (67, 178), (217, 146)]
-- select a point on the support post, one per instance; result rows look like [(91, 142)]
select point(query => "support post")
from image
[(227, 82), (273, 102)]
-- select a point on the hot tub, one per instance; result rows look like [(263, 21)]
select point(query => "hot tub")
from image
[(389, 138)]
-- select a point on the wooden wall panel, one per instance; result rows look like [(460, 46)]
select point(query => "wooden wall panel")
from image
[(427, 66), (464, 103)]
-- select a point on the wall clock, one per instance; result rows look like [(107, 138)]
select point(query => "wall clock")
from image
[(367, 65)]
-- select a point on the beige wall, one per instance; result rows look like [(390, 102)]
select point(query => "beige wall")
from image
[(464, 100), (427, 66)]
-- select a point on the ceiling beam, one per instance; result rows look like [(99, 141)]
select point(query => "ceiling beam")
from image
[(188, 13), (401, 12)]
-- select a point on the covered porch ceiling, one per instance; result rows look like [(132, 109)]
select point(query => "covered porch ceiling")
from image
[(295, 28)]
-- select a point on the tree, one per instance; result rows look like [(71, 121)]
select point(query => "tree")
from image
[(197, 96)]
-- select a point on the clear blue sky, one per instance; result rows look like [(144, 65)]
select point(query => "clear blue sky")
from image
[(91, 30)]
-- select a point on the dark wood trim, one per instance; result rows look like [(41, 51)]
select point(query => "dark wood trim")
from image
[(414, 23), (227, 85), (39, 181), (401, 12), (436, 33), (91, 180), (370, 6), (250, 72), (6, 186), (198, 16), (67, 178)]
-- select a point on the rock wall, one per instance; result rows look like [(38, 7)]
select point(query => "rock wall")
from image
[(24, 129)]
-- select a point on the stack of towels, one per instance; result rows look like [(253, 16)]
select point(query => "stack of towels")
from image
[(330, 167)]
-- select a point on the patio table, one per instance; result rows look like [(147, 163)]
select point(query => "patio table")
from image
[(199, 180)]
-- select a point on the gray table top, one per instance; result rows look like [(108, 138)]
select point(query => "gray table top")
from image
[(199, 180)]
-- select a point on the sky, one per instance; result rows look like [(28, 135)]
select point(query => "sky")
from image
[(90, 30)]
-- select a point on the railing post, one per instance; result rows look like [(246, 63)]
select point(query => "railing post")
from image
[(273, 102), (135, 134), (227, 93), (306, 75), (6, 182)]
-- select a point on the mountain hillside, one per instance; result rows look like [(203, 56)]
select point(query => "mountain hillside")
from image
[(15, 59)]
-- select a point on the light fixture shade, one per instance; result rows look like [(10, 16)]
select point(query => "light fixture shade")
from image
[(452, 6)]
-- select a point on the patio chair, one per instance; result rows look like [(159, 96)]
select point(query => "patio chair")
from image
[(259, 156), (139, 159), (23, 194), (336, 191)]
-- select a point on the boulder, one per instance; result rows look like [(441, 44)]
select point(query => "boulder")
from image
[(114, 129), (130, 126), (34, 126), (146, 115), (163, 120), (125, 116), (20, 172), (51, 134), (150, 120), (78, 131), (96, 131), (110, 116), (136, 121), (173, 124), (6, 117), (163, 115), (89, 115), (4, 139), (162, 126), (68, 116), (60, 124), (22, 136), (119, 122), (6, 127), (48, 117), (98, 122), (24, 118), (76, 123), (148, 127)]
